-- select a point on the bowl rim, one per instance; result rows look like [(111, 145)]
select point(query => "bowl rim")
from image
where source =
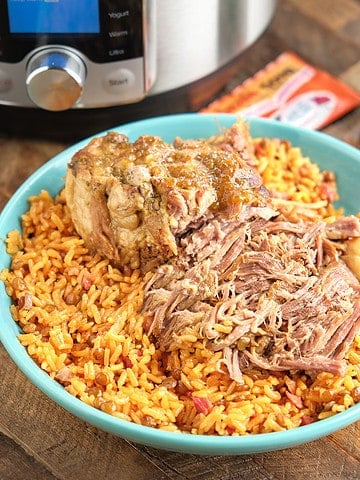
[(181, 442)]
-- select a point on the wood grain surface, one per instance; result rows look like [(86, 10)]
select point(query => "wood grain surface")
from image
[(40, 440)]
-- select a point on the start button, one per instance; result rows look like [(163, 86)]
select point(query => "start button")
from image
[(119, 81), (6, 82)]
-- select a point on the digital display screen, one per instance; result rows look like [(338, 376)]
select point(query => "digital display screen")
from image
[(54, 16)]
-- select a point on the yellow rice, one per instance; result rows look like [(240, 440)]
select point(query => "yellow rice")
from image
[(81, 323)]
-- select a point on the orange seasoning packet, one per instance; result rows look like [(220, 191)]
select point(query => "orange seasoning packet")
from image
[(290, 90)]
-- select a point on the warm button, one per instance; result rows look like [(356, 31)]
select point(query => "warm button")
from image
[(6, 82), (119, 81)]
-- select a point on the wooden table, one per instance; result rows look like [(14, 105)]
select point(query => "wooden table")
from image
[(39, 440)]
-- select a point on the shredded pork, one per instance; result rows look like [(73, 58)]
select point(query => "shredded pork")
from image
[(224, 264)]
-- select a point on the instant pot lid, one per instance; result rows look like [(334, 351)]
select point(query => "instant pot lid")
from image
[(206, 35)]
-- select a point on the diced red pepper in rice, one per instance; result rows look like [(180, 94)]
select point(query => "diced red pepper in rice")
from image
[(295, 399), (127, 362), (307, 419), (86, 282), (230, 430), (202, 404)]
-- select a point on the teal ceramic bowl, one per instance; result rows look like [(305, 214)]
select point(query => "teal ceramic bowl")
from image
[(328, 152)]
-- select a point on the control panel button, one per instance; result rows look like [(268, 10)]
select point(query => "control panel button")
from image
[(6, 82), (119, 81), (55, 78)]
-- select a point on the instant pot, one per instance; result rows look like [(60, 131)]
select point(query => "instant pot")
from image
[(70, 68)]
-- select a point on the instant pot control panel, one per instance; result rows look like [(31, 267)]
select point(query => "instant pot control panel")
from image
[(62, 54)]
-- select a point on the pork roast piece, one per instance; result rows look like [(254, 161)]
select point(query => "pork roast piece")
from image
[(131, 202)]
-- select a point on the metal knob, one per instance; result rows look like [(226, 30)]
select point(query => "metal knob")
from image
[(55, 78)]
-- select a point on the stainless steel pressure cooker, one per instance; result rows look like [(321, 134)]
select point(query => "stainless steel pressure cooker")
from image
[(92, 63)]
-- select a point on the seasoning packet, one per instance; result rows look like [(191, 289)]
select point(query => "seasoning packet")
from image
[(290, 90)]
